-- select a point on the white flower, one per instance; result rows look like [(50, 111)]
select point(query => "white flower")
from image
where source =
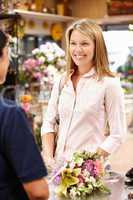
[(42, 59), (92, 179), (61, 62), (73, 192), (50, 57), (13, 39), (45, 79), (86, 173), (72, 164), (51, 69), (59, 53), (35, 51)]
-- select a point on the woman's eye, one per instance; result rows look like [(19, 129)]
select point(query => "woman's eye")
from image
[(72, 43), (85, 44)]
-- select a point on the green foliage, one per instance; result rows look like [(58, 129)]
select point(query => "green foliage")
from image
[(67, 180)]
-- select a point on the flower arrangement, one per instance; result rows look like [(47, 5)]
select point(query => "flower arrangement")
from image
[(45, 63), (82, 177), (25, 101)]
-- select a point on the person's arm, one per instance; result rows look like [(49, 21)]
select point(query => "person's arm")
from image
[(114, 104), (49, 126), (102, 152), (23, 154), (37, 189), (48, 146)]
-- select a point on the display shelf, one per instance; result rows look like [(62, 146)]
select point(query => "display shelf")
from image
[(43, 16), (9, 16), (118, 19), (59, 18)]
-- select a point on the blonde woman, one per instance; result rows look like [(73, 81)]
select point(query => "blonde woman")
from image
[(90, 97)]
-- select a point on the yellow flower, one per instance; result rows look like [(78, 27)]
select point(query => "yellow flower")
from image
[(26, 98)]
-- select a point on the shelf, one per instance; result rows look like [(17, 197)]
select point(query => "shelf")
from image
[(9, 16), (118, 19), (43, 16)]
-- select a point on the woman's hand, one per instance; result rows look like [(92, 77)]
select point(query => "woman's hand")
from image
[(102, 153), (49, 160)]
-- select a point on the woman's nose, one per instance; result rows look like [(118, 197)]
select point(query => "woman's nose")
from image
[(78, 48)]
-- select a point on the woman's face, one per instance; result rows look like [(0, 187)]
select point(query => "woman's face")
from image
[(4, 63), (81, 49)]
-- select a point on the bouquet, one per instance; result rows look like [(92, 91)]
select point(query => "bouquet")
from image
[(82, 177), (44, 64)]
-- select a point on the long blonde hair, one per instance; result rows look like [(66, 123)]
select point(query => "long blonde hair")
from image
[(92, 30)]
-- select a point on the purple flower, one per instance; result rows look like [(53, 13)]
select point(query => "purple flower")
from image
[(89, 165), (57, 179)]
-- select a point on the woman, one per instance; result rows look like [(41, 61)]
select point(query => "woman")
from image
[(91, 95), (20, 177)]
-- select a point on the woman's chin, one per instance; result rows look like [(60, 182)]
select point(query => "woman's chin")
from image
[(2, 80)]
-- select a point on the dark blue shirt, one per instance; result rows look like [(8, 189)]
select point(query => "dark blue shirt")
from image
[(20, 159)]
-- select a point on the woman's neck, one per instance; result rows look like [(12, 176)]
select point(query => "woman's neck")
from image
[(82, 71)]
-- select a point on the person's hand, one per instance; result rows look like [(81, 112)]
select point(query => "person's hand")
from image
[(48, 160), (102, 153)]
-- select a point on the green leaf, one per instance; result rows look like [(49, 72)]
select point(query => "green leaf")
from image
[(67, 180), (76, 171)]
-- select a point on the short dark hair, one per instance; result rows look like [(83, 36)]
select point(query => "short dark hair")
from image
[(3, 41)]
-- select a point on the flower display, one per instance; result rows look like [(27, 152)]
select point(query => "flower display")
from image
[(25, 101), (45, 63), (81, 177)]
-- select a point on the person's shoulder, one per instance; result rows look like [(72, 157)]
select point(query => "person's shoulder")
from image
[(9, 106), (111, 81), (60, 79)]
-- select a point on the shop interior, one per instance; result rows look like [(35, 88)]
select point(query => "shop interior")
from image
[(36, 22)]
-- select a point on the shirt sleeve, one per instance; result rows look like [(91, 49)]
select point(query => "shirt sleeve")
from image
[(115, 108), (49, 120), (20, 148)]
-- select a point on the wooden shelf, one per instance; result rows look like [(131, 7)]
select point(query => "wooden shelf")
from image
[(43, 16), (118, 19), (9, 16)]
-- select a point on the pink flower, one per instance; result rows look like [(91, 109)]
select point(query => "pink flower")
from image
[(26, 106), (40, 62), (30, 63), (37, 75), (81, 179), (89, 165), (98, 167)]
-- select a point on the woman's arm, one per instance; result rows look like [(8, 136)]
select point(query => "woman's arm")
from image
[(115, 110), (49, 126), (48, 146), (102, 153)]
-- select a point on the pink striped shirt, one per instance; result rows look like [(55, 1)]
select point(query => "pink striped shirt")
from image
[(83, 115)]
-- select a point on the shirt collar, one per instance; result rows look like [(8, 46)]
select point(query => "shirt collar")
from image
[(92, 72)]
